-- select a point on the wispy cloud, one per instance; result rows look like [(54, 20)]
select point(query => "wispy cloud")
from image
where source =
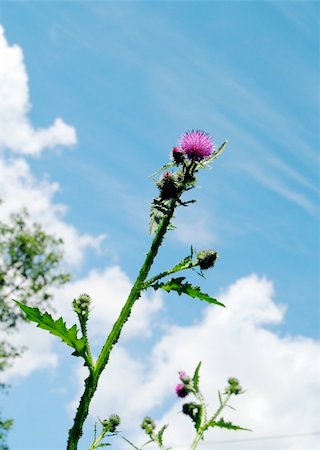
[(269, 180)]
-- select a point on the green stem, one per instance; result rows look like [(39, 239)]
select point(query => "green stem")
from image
[(221, 407), (203, 419), (149, 282), (96, 442), (83, 326), (91, 382)]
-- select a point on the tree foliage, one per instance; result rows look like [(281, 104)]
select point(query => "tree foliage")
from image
[(29, 266)]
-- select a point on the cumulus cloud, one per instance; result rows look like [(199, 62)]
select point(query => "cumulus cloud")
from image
[(19, 188), (16, 130), (280, 373), (109, 289), (40, 354)]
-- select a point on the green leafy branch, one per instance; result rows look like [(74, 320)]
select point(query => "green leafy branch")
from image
[(184, 287), (56, 327)]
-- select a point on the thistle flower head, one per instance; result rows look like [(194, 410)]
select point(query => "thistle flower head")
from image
[(112, 423), (206, 259), (81, 304), (181, 390), (196, 145), (167, 185), (177, 155), (184, 377), (234, 386), (148, 425)]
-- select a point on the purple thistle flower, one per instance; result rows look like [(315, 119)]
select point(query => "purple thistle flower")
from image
[(196, 145), (181, 390), (184, 377)]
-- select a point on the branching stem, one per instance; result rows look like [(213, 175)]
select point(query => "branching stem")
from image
[(91, 382)]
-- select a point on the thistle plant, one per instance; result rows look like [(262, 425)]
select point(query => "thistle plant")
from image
[(194, 153), (196, 410)]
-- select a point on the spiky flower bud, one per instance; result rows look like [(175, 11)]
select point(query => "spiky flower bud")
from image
[(206, 259), (148, 425), (177, 155), (114, 422), (168, 186), (234, 386), (191, 409), (184, 377), (81, 304), (182, 390)]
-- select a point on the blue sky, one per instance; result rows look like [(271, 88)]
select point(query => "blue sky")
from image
[(127, 79)]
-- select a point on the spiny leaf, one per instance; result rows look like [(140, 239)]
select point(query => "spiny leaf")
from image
[(195, 377), (177, 284), (160, 434), (228, 425), (184, 262), (55, 327), (214, 155), (159, 209)]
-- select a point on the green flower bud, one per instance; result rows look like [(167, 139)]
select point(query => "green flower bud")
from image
[(114, 422), (206, 259), (234, 386), (148, 425), (81, 304)]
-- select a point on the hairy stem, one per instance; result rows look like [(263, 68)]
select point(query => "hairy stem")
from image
[(203, 420), (188, 265), (91, 382)]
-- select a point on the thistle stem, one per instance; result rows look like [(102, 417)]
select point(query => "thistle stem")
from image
[(189, 265), (91, 382), (203, 420)]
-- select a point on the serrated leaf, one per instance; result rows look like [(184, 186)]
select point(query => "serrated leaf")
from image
[(160, 434), (159, 209), (195, 377), (181, 287), (228, 425), (55, 327), (214, 155)]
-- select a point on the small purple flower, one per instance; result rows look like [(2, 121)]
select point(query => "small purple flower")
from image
[(181, 390), (196, 145), (184, 377)]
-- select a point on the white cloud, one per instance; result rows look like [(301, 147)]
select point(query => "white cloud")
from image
[(109, 288), (16, 131), (19, 188), (39, 355), (279, 373)]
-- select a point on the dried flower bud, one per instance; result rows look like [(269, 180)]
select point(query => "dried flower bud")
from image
[(81, 304), (206, 259), (168, 186), (148, 425)]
